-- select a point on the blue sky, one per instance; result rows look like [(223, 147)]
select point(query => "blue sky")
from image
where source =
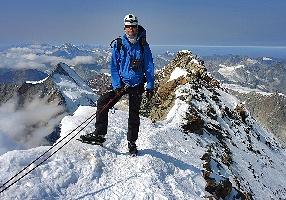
[(168, 22)]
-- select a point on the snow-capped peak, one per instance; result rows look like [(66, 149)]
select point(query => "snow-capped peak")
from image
[(75, 91), (68, 46)]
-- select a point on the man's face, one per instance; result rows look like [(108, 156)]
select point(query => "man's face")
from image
[(131, 30)]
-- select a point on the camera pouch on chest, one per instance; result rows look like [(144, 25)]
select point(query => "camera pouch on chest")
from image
[(136, 64)]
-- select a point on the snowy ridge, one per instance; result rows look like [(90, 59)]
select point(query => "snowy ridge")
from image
[(224, 125), (36, 82), (75, 91), (82, 171)]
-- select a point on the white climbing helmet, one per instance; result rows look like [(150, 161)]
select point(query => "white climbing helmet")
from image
[(130, 19)]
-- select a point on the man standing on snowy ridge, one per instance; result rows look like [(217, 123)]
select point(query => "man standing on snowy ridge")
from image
[(131, 65)]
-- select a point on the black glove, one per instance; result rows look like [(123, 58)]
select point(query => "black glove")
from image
[(149, 93)]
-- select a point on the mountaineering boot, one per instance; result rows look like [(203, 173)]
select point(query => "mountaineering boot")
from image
[(92, 138), (132, 148)]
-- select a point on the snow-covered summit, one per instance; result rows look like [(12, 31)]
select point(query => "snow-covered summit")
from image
[(206, 145)]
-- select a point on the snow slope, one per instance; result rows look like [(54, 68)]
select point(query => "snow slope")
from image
[(165, 168)]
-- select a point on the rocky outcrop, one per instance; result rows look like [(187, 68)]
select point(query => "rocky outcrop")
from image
[(166, 85), (269, 110), (219, 188), (7, 91), (29, 91), (218, 121)]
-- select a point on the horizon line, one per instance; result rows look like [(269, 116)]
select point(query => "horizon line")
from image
[(153, 45), (190, 45)]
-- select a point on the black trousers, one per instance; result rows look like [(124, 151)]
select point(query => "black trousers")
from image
[(135, 97)]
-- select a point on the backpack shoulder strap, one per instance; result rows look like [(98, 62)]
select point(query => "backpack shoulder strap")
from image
[(118, 43), (119, 46), (143, 42)]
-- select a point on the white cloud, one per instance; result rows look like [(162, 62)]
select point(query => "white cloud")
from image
[(20, 50), (30, 124), (34, 58), (82, 60)]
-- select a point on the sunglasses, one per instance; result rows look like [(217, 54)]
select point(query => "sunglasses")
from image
[(130, 26)]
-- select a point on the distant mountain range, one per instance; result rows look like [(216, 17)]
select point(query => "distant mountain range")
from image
[(34, 62), (266, 74), (262, 74)]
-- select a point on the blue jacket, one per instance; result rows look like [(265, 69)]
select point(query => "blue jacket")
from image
[(121, 63)]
